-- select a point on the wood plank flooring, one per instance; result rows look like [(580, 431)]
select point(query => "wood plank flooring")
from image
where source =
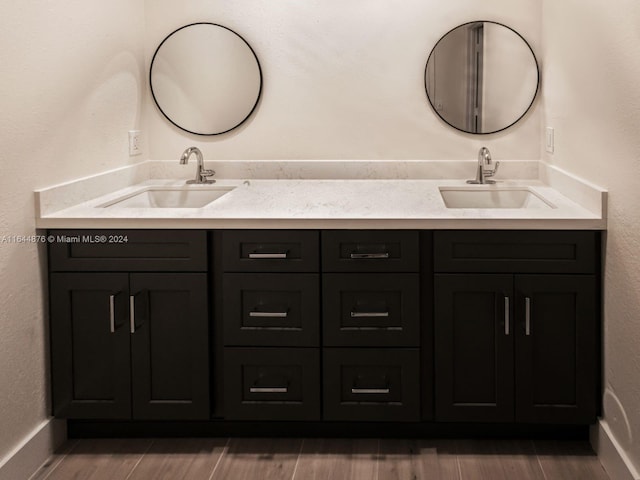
[(321, 459)]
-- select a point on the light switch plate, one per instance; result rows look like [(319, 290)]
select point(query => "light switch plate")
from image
[(549, 140), (135, 148)]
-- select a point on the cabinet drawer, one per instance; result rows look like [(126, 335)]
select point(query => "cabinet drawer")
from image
[(371, 384), (371, 310), (270, 251), (272, 384), (370, 251), (516, 251), (269, 309), (128, 250)]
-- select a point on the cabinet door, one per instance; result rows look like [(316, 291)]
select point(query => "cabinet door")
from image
[(90, 345), (473, 348), (169, 346), (556, 348)]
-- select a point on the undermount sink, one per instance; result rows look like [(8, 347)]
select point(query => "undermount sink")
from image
[(169, 197), (492, 197)]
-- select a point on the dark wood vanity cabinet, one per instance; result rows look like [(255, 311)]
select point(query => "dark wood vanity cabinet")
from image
[(371, 325), (326, 326), (270, 324), (131, 344), (521, 345)]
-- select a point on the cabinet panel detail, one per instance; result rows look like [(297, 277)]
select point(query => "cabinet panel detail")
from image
[(370, 251), (272, 383), (128, 250), (170, 346), (263, 309), (371, 384), (90, 346), (473, 348), (556, 348), (371, 309), (486, 251), (270, 251)]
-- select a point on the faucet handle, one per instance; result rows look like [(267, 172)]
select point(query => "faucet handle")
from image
[(491, 173), (207, 173)]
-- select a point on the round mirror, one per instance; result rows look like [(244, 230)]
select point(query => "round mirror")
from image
[(205, 79), (481, 77)]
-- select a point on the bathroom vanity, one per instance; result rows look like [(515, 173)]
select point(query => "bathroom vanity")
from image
[(324, 307), (412, 327)]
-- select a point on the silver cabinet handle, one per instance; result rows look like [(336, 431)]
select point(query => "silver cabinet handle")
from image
[(506, 315), (369, 255), (268, 255), (369, 314), (268, 389), (268, 314), (132, 313), (527, 316), (364, 391), (112, 313)]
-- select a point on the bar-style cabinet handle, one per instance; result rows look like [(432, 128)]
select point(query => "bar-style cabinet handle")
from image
[(268, 389), (506, 316), (132, 313), (369, 255), (527, 316), (369, 314), (268, 255), (366, 391), (112, 313), (268, 314)]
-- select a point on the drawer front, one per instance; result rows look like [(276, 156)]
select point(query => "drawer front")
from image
[(272, 384), (270, 251), (516, 251), (371, 310), (370, 251), (371, 384), (128, 250), (271, 309)]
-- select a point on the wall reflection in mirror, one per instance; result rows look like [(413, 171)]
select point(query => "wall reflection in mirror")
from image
[(481, 77), (205, 79)]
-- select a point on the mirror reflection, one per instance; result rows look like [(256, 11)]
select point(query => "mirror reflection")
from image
[(205, 79), (481, 77)]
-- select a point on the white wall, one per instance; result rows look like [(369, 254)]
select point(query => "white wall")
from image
[(72, 83), (591, 96), (342, 79)]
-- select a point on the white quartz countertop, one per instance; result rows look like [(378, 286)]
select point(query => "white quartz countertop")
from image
[(320, 203)]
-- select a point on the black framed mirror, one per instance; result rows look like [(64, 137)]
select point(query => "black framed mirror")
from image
[(205, 78), (481, 77)]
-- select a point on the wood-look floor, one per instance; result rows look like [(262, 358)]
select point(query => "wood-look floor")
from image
[(319, 458)]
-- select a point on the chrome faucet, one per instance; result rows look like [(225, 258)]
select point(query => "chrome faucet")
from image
[(482, 172), (201, 173)]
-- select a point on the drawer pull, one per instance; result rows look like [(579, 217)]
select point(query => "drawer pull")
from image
[(527, 316), (268, 314), (268, 389), (267, 255), (366, 391), (369, 314), (369, 255)]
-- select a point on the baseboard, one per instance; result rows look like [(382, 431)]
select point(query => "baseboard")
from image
[(612, 457), (34, 450)]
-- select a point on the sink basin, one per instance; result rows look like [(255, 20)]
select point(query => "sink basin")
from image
[(169, 197), (492, 197)]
